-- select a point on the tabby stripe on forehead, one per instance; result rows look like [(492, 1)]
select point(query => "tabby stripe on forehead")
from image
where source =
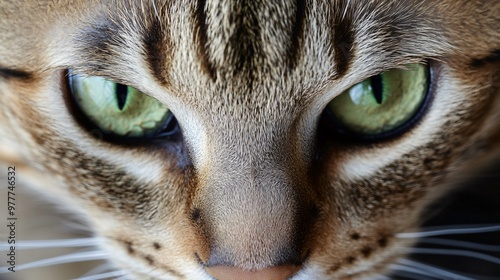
[(14, 74), (493, 57), (246, 42), (343, 37), (97, 44), (201, 21), (297, 32), (156, 44)]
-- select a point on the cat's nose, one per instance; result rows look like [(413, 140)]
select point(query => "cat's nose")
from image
[(270, 273)]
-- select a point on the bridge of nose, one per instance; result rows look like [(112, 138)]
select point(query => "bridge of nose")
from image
[(249, 213), (251, 206)]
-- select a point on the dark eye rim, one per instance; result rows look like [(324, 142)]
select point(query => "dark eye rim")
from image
[(169, 131), (343, 133)]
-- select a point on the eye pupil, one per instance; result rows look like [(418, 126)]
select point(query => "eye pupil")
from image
[(121, 95), (377, 87)]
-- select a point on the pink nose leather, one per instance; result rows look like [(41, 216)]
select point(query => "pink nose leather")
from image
[(235, 273)]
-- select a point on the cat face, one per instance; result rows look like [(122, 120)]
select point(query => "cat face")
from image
[(259, 171)]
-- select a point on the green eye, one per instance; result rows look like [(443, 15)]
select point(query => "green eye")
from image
[(383, 103), (118, 110)]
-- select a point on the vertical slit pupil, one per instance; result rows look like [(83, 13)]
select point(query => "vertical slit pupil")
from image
[(377, 87), (121, 95)]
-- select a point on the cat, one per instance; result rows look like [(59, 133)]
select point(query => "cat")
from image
[(250, 139)]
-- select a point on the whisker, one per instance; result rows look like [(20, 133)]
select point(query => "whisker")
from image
[(381, 277), (425, 269), (409, 269), (454, 252), (462, 244), (124, 277), (104, 275), (449, 231), (77, 227), (69, 258), (56, 243), (99, 269), (411, 275)]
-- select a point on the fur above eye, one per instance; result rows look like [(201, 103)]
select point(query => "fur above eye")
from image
[(383, 104), (119, 110)]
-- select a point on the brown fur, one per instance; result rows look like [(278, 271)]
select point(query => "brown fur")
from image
[(251, 180)]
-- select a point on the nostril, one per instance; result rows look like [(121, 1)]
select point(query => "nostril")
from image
[(271, 273)]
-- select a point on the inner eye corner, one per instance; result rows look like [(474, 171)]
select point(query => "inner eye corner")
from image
[(343, 128), (115, 112)]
